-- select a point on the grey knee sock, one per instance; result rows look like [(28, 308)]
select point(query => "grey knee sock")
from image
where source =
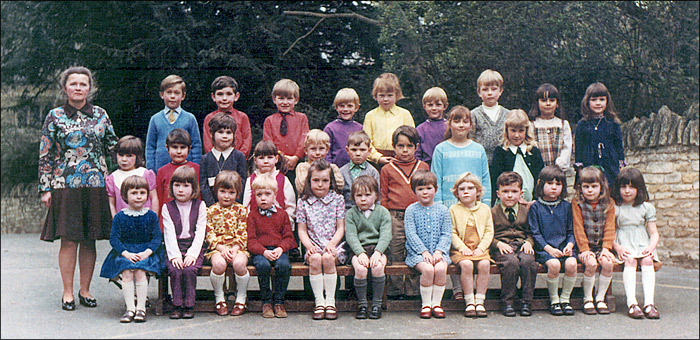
[(378, 290), (361, 291)]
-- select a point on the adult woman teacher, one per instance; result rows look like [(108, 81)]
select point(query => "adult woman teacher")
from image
[(75, 139)]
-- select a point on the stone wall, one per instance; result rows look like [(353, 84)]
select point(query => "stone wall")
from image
[(664, 147)]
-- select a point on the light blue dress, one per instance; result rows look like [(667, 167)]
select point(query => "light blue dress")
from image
[(631, 231), (427, 228)]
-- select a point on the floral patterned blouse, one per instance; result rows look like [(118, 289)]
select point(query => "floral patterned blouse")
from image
[(73, 147), (321, 216), (227, 226)]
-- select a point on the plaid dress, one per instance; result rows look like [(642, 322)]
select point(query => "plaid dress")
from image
[(550, 142)]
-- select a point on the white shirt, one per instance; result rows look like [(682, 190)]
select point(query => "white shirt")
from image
[(169, 236), (491, 112)]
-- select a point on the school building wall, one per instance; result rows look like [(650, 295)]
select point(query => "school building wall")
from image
[(663, 146)]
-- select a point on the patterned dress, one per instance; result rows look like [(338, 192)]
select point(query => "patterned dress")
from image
[(554, 141), (320, 216), (427, 228), (227, 226)]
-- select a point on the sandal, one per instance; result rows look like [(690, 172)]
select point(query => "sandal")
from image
[(589, 307), (481, 311), (470, 311), (319, 312), (331, 313), (239, 309), (221, 308), (635, 312), (650, 312), (602, 307), (458, 296), (425, 312)]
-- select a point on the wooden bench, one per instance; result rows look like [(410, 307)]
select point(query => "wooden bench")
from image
[(301, 301)]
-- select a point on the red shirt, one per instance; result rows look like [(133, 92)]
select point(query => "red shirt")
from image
[(395, 183), (297, 127), (243, 139), (275, 230)]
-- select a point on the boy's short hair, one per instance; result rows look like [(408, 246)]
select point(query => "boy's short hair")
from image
[(472, 178), (488, 78), (178, 136), (185, 174), (285, 88), (508, 178), (423, 177), (228, 179), (129, 145), (346, 95), (359, 137), (224, 81), (132, 182), (222, 121), (364, 182), (264, 181), (387, 82), (549, 173), (435, 94), (171, 81), (316, 137), (408, 131)]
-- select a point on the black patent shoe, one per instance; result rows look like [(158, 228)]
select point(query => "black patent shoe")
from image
[(508, 311), (68, 305), (361, 313), (555, 309), (525, 310), (86, 301), (566, 307), (375, 312)]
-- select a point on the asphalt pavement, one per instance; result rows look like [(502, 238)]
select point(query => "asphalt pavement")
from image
[(31, 308)]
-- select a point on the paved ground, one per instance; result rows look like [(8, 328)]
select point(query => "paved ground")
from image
[(31, 293)]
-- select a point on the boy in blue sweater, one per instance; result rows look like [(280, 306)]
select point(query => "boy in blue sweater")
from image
[(172, 91)]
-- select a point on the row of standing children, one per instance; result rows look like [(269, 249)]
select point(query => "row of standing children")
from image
[(386, 91)]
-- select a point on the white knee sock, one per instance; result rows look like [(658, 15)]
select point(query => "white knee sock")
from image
[(479, 298), (438, 291), (588, 283), (469, 299), (629, 279), (426, 295), (603, 284), (317, 287), (128, 291), (242, 287), (553, 288), (217, 282), (648, 283), (567, 286), (141, 294), (330, 281)]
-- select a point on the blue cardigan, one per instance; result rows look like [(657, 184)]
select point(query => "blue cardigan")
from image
[(158, 129)]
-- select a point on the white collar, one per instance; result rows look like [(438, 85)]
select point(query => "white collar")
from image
[(134, 213), (178, 110), (217, 154), (514, 149)]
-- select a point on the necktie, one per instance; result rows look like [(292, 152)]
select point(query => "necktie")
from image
[(283, 124), (511, 215), (222, 160), (171, 116)]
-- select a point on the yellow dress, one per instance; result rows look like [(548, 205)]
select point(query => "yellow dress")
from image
[(471, 228)]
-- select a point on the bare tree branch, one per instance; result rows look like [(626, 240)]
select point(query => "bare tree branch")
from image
[(352, 15), (302, 37)]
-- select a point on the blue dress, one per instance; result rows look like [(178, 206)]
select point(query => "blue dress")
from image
[(427, 228), (134, 231), (553, 225), (599, 142)]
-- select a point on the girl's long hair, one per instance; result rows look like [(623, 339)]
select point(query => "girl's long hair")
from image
[(598, 89), (518, 119), (545, 91), (267, 148), (591, 174), (318, 165), (458, 112), (634, 177)]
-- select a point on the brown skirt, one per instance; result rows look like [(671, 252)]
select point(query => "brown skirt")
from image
[(78, 214)]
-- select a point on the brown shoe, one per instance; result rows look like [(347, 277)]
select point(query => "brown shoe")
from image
[(239, 309), (140, 316), (127, 317), (635, 312), (481, 311), (331, 313), (221, 308), (588, 308), (176, 313), (319, 313), (470, 311), (188, 313), (280, 312), (438, 312), (267, 311), (602, 307), (650, 312)]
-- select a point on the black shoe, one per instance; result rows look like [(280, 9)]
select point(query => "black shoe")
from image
[(375, 312), (361, 313), (68, 305), (508, 310), (566, 307), (555, 309), (525, 310), (86, 301)]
